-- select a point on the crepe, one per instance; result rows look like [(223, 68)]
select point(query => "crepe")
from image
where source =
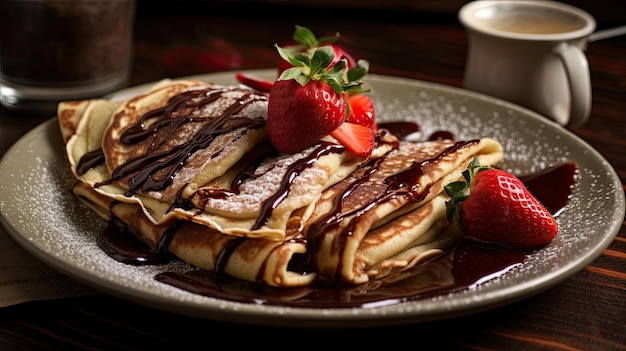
[(264, 261), (171, 149), (238, 207), (390, 214), (188, 132)]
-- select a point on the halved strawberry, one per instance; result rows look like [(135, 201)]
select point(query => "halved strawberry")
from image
[(256, 83), (356, 138), (362, 111), (493, 206)]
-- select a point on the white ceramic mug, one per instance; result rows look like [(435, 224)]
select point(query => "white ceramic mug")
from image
[(530, 53)]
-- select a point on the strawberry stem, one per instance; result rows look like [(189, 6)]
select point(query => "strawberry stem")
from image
[(314, 63), (459, 191)]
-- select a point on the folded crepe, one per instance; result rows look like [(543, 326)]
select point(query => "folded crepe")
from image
[(269, 262), (389, 215), (190, 164), (200, 151)]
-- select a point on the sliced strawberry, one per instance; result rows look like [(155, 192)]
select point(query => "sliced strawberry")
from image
[(256, 83), (493, 206), (362, 111), (356, 138)]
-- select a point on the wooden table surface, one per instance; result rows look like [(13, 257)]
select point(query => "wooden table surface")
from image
[(585, 312)]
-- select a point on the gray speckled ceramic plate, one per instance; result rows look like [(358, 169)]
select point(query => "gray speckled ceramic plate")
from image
[(39, 211)]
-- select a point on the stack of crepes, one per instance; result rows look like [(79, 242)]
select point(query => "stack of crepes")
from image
[(188, 167)]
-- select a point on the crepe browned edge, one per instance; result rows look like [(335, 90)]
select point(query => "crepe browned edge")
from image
[(256, 260), (82, 124), (377, 234), (69, 114)]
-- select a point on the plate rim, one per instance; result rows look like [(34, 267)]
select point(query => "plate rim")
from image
[(319, 317)]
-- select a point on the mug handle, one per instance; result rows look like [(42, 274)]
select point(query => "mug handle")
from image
[(577, 69)]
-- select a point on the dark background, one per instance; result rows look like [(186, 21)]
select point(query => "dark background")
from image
[(606, 12)]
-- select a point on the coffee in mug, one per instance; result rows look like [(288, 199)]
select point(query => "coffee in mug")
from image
[(532, 22), (530, 53)]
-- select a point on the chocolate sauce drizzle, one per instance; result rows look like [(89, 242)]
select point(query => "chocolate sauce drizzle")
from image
[(404, 183), (171, 117), (323, 148), (90, 160), (465, 267), (174, 115), (177, 113)]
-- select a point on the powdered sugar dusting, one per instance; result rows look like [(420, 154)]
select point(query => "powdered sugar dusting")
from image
[(267, 182), (60, 226), (38, 208), (530, 145)]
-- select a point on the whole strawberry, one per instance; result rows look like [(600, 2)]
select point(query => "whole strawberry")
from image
[(300, 115), (493, 206), (306, 102)]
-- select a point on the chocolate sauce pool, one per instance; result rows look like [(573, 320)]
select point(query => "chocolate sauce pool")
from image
[(464, 267)]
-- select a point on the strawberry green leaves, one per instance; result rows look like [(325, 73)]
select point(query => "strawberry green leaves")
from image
[(300, 114), (459, 191), (307, 39), (316, 67), (306, 43)]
